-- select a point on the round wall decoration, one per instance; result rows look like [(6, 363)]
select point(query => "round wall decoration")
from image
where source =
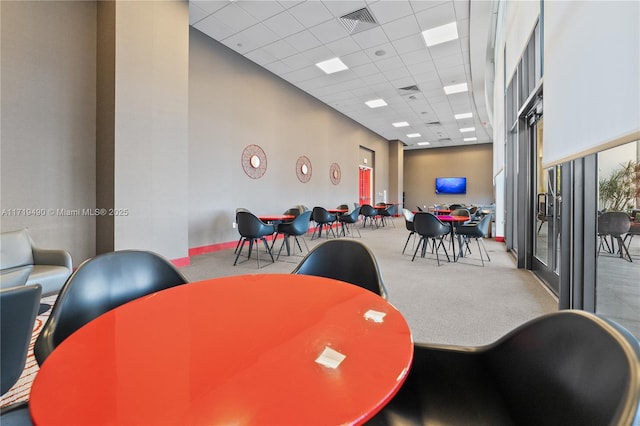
[(303, 169), (334, 173), (254, 161)]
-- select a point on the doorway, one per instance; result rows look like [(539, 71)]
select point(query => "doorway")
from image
[(365, 185), (546, 209)]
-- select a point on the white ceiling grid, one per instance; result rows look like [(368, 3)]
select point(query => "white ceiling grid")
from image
[(289, 37)]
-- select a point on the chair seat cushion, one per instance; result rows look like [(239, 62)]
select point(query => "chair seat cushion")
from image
[(14, 277), (50, 277)]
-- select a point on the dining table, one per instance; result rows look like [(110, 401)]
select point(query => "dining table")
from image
[(453, 220), (275, 219), (260, 349)]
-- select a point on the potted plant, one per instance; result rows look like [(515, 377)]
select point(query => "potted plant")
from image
[(621, 189)]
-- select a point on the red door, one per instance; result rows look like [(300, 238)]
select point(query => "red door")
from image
[(364, 192)]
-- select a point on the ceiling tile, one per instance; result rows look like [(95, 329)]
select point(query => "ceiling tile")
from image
[(381, 52), (260, 57), (280, 49), (303, 40), (196, 13), (436, 16), (329, 31), (283, 24), (343, 46), (366, 70), (409, 44), (370, 38), (235, 17), (342, 7), (319, 54), (311, 13), (387, 11), (214, 28), (250, 39), (355, 59), (401, 28), (261, 10), (296, 62), (209, 6)]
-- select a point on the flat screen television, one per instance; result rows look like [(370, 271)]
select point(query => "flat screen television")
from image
[(451, 185)]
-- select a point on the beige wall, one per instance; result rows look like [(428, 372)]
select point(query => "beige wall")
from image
[(235, 103), (421, 167), (48, 124)]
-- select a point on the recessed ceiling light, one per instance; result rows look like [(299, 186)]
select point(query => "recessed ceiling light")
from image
[(332, 65), (400, 124), (455, 88), (465, 115), (423, 143), (470, 139), (414, 135), (467, 129), (376, 103), (440, 34)]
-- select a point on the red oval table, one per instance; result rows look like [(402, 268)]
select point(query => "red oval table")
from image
[(235, 350)]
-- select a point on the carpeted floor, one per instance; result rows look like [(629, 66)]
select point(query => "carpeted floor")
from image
[(459, 303), (456, 303)]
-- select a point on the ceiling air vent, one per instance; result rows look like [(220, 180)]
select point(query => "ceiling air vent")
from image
[(433, 123), (358, 21), (444, 140), (409, 90)]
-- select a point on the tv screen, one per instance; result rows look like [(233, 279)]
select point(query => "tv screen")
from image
[(451, 185)]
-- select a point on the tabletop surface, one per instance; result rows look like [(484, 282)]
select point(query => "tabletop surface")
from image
[(235, 350), (274, 217)]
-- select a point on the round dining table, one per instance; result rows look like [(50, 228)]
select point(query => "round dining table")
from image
[(263, 349)]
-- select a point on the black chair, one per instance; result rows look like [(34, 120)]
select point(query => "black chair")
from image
[(99, 285), (430, 227), (454, 206), (350, 219), (296, 228), (323, 219), (344, 260), (369, 213), (18, 311), (478, 231), (408, 223), (569, 368), (387, 212), (239, 209), (614, 225), (252, 229)]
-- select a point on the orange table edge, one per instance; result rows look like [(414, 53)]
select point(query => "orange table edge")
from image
[(239, 349)]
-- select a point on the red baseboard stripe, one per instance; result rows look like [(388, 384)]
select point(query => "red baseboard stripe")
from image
[(499, 239), (183, 261)]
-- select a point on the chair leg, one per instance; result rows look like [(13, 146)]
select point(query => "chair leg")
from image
[(480, 251), (417, 248), (242, 240), (485, 249), (623, 247), (405, 244)]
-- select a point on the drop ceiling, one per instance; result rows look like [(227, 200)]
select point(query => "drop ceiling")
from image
[(384, 51)]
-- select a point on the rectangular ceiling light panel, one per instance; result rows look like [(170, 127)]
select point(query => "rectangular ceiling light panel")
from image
[(376, 103), (332, 65), (440, 34), (455, 88)]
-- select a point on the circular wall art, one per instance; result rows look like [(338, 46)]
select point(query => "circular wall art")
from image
[(303, 169), (334, 173), (254, 161)]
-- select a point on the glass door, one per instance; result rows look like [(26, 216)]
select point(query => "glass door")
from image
[(546, 214)]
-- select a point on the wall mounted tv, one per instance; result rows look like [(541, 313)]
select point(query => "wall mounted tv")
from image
[(451, 185)]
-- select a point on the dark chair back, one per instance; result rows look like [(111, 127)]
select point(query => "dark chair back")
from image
[(368, 211), (454, 206), (344, 260), (568, 368), (99, 285), (294, 211), (250, 226), (343, 207), (408, 219), (299, 225), (321, 215), (350, 217), (613, 223), (18, 310), (460, 212), (426, 224)]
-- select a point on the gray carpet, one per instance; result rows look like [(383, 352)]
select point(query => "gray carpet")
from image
[(458, 303)]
